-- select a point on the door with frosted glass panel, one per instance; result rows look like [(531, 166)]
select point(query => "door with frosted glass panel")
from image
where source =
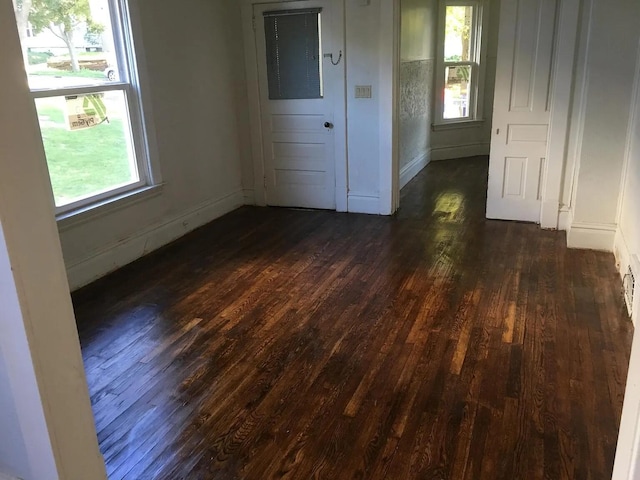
[(299, 74)]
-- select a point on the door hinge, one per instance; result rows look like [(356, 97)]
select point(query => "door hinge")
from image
[(253, 22), (264, 182)]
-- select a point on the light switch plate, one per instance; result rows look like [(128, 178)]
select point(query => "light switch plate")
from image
[(363, 91)]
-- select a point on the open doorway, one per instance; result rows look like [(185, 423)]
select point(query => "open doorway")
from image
[(448, 54)]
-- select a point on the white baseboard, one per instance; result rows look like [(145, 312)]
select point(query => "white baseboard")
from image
[(624, 257), (565, 218), (549, 215), (249, 196), (117, 255), (342, 198), (591, 236), (413, 168), (460, 151), (364, 204), (621, 253)]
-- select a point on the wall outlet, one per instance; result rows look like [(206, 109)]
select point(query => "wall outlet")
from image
[(363, 91)]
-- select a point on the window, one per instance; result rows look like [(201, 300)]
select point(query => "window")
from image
[(459, 62), (294, 69), (83, 80)]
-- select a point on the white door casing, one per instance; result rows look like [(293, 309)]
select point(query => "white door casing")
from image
[(522, 109), (299, 152)]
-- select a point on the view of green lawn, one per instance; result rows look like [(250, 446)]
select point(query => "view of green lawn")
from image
[(83, 73), (82, 162)]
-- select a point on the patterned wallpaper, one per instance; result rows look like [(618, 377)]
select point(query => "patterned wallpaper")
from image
[(416, 94)]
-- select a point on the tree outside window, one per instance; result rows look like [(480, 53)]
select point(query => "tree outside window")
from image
[(83, 81), (459, 61)]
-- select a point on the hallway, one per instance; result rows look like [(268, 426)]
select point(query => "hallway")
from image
[(278, 343)]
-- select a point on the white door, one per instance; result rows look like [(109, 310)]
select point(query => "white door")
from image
[(521, 110), (301, 78)]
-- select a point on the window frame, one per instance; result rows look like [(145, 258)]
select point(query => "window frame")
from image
[(139, 129), (477, 64)]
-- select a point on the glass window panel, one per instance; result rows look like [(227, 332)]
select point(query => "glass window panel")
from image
[(458, 34), (87, 140), (69, 46), (457, 91), (293, 54)]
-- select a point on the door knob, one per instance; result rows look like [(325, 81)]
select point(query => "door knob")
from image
[(328, 125)]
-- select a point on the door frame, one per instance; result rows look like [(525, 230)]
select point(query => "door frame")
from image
[(255, 109), (389, 57), (562, 78)]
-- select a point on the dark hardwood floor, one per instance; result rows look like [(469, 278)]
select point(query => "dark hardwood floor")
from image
[(279, 343)]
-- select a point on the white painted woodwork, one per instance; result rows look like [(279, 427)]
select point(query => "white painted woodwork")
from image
[(299, 152), (521, 112), (46, 425), (553, 213)]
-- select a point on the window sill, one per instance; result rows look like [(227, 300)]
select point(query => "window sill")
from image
[(456, 125), (87, 213)]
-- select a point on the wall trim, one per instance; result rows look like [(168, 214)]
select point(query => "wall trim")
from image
[(624, 258), (580, 98), (592, 236), (119, 254), (414, 167), (563, 74), (364, 204), (565, 218), (389, 106), (460, 151), (621, 252)]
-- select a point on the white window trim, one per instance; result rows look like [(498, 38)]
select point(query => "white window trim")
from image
[(131, 69), (476, 103)]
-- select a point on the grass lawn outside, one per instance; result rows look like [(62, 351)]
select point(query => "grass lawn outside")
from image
[(86, 162), (83, 73)]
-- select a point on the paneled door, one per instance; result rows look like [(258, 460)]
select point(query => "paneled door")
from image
[(521, 110), (301, 75)]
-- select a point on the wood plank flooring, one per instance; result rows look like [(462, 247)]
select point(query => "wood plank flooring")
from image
[(279, 343)]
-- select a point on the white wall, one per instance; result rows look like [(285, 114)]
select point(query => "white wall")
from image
[(418, 30), (197, 91), (464, 141), (363, 25), (46, 424), (627, 241), (600, 120), (25, 448)]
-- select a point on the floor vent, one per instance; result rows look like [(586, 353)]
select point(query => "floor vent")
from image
[(629, 284)]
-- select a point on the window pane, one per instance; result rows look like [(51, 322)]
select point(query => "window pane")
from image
[(457, 89), (87, 140), (293, 54), (458, 34), (66, 46)]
